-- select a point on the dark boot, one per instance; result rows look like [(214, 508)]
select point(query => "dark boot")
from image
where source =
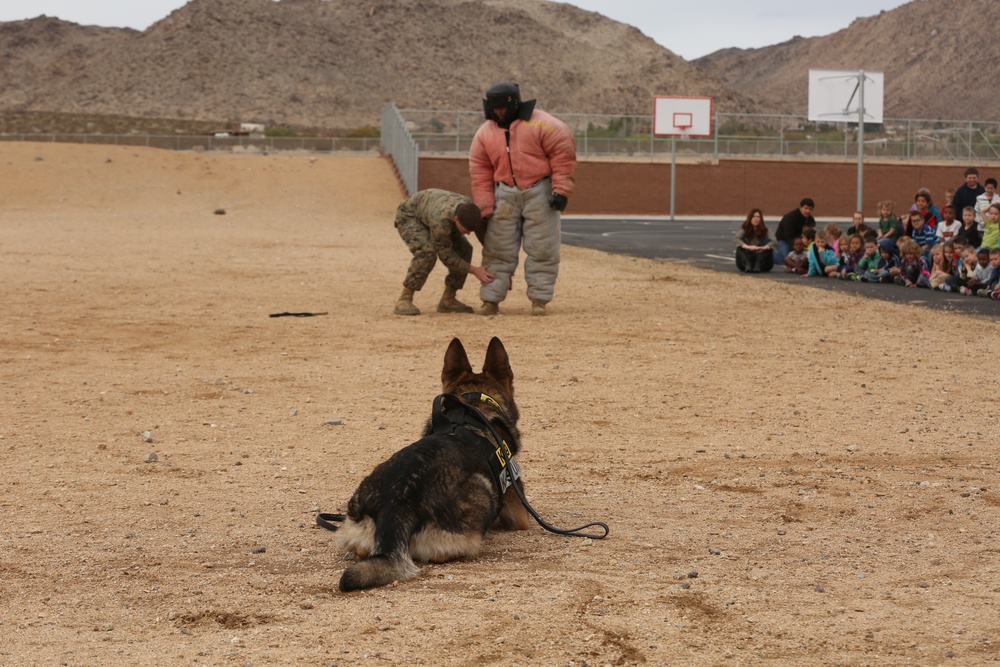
[(404, 305)]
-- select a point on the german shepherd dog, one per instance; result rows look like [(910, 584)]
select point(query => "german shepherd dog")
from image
[(435, 499)]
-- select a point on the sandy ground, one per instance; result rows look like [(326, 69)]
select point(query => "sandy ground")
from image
[(791, 476)]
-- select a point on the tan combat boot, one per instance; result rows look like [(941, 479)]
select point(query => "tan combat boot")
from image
[(537, 307), (449, 304), (488, 308), (404, 306)]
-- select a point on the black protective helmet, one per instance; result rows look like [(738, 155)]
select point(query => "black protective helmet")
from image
[(504, 95)]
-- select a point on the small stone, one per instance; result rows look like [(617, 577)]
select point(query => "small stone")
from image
[(259, 550), (692, 575), (152, 458), (220, 211), (306, 604), (334, 422), (820, 589), (685, 586), (714, 551), (147, 436)]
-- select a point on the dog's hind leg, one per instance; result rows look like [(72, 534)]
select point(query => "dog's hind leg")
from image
[(390, 560), (357, 536), (378, 570)]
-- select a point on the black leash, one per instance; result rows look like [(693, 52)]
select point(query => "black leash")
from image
[(330, 521), (572, 532)]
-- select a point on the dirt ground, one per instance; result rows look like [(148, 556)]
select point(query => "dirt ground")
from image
[(791, 476)]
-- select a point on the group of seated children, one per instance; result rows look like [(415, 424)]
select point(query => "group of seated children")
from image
[(929, 248)]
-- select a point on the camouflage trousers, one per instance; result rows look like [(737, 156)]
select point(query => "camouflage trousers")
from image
[(418, 239)]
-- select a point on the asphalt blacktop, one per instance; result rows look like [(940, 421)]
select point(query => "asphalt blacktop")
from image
[(707, 243)]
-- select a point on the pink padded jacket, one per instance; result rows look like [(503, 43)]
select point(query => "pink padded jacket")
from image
[(539, 147)]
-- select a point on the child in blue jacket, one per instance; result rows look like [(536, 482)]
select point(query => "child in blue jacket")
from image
[(823, 260)]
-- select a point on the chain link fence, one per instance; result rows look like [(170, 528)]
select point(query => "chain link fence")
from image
[(230, 143), (736, 135)]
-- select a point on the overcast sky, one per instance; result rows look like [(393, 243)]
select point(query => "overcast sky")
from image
[(689, 28)]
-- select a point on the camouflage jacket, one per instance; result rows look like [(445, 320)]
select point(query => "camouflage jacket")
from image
[(435, 210)]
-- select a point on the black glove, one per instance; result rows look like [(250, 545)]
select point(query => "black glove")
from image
[(557, 201)]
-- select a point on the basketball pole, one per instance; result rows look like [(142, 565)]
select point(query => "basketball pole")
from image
[(673, 174), (861, 138)]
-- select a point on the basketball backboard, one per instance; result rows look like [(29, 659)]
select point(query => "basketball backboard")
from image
[(835, 95), (682, 116)]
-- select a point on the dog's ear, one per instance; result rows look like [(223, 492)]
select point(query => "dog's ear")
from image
[(497, 363), (456, 363)]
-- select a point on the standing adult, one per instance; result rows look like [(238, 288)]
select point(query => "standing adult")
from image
[(966, 193), (791, 227), (433, 224), (754, 246), (522, 164)]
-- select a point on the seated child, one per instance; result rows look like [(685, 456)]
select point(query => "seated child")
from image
[(888, 260), (979, 273), (912, 271), (965, 269), (833, 234), (949, 226), (970, 228), (992, 285), (808, 236), (958, 246), (858, 226), (797, 261), (850, 257), (941, 278), (868, 264), (888, 226), (822, 259), (991, 226), (922, 233)]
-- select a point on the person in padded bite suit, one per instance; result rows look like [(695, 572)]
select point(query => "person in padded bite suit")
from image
[(522, 164)]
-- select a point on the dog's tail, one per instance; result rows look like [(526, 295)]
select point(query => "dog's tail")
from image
[(379, 570)]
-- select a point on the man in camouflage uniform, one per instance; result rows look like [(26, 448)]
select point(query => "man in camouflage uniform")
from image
[(433, 224)]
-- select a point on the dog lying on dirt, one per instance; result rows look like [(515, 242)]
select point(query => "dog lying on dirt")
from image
[(435, 499)]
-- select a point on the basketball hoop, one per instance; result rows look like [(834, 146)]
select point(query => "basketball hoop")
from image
[(682, 116), (683, 121)]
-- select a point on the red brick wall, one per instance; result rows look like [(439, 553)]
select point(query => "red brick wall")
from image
[(731, 187)]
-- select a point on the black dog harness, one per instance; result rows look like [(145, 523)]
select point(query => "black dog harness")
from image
[(454, 416)]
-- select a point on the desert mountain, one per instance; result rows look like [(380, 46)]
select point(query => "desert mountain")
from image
[(937, 57), (334, 64)]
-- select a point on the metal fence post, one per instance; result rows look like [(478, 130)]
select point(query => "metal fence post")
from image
[(715, 142), (397, 142)]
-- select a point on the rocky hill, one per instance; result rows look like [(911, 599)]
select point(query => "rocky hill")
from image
[(326, 64), (332, 65), (937, 57)]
